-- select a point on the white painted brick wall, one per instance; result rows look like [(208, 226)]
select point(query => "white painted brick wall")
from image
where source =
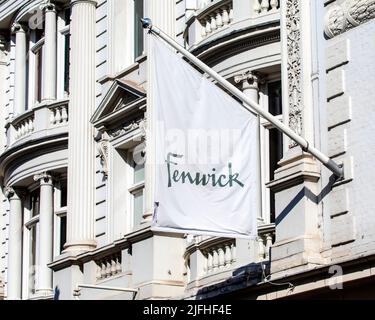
[(351, 118)]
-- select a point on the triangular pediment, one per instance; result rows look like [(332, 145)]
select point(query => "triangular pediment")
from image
[(121, 94)]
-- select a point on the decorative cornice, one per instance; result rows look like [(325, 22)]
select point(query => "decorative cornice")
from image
[(294, 66), (349, 14), (126, 128)]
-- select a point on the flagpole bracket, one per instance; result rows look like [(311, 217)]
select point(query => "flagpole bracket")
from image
[(146, 23)]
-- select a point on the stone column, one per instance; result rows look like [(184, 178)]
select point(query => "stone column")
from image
[(14, 245), (3, 90), (81, 165), (163, 16), (44, 283), (20, 69), (50, 53), (250, 81), (247, 250)]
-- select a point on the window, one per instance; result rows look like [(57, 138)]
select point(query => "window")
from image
[(275, 139), (138, 30), (60, 215), (272, 148), (32, 226), (63, 52), (37, 37), (137, 185), (66, 50)]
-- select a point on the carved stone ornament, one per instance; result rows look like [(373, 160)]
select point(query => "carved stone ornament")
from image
[(17, 27), (9, 192), (43, 177), (103, 147), (126, 128), (47, 5), (294, 67), (350, 14), (249, 79)]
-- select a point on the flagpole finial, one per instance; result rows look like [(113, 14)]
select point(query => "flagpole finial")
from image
[(146, 23)]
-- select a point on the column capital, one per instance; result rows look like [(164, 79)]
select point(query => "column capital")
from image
[(47, 6), (9, 192), (74, 2), (249, 79), (13, 193), (18, 27), (45, 178)]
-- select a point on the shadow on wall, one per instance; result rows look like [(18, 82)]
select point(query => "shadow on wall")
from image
[(306, 192)]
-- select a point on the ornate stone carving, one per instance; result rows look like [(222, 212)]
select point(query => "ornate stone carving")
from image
[(47, 5), (9, 192), (44, 177), (17, 27), (249, 80), (350, 14), (293, 29), (126, 128), (102, 147)]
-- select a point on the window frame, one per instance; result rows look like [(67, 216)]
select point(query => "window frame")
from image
[(265, 127), (133, 187)]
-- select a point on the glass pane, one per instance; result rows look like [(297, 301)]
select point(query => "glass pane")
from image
[(35, 201), (64, 195), (139, 173), (32, 260), (62, 233), (276, 154), (138, 30), (67, 63), (275, 100), (138, 207), (38, 74)]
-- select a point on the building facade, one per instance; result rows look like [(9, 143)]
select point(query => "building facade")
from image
[(75, 208)]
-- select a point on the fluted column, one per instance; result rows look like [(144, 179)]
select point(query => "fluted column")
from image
[(81, 165), (50, 54), (20, 69), (3, 89), (163, 15), (14, 245), (44, 283), (249, 82)]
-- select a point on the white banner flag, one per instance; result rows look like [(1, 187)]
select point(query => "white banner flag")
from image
[(206, 145)]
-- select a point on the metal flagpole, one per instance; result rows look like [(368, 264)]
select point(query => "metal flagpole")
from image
[(305, 145)]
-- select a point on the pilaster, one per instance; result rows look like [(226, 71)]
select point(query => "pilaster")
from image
[(296, 184)]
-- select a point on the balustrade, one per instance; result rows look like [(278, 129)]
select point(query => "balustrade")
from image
[(213, 20), (59, 115), (108, 267), (24, 127), (265, 6)]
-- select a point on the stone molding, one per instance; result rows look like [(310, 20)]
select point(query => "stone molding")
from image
[(348, 15)]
